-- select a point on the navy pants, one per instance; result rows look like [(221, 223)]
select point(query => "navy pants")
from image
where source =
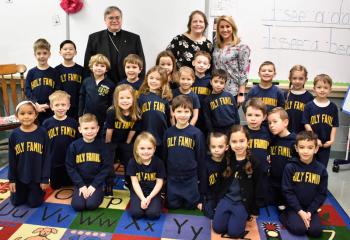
[(79, 203), (275, 193), (152, 212), (294, 224), (182, 191), (230, 217), (30, 194), (323, 155), (209, 207), (59, 178)]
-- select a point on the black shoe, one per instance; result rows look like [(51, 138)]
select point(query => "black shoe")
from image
[(109, 191)]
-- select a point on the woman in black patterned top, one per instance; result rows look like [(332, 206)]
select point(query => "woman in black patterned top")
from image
[(184, 46)]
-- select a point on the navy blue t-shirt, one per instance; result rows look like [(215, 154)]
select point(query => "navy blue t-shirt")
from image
[(147, 174), (295, 105), (61, 134), (135, 85), (272, 97), (321, 119), (202, 87), (192, 95)]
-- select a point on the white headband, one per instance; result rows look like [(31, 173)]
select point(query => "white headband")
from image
[(24, 102)]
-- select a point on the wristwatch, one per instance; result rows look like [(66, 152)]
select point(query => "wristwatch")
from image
[(240, 94)]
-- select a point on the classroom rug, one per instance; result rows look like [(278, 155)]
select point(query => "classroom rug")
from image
[(56, 219)]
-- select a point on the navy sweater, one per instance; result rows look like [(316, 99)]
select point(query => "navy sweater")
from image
[(281, 152), (214, 176), (184, 152), (220, 111), (202, 87), (28, 156), (61, 134), (272, 97), (295, 105), (321, 119), (155, 113), (96, 99), (192, 95), (41, 83), (304, 186), (88, 163), (135, 85)]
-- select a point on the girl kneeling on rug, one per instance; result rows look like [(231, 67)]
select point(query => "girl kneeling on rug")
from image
[(147, 173), (239, 187)]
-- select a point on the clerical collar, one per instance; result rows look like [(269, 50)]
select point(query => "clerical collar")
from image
[(113, 33)]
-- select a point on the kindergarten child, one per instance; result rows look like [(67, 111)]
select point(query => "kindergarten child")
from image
[(88, 164), (215, 166), (62, 131), (271, 95), (186, 80), (41, 80), (184, 153), (120, 124), (239, 187), (96, 93), (321, 117), (166, 60), (296, 98), (133, 66), (153, 102), (147, 173), (71, 76), (304, 187), (281, 152), (29, 166), (220, 108)]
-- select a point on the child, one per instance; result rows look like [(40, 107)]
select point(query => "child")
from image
[(184, 152), (186, 80), (271, 95), (259, 142), (201, 85), (71, 75), (296, 98), (133, 66), (220, 109), (147, 173), (281, 152), (120, 124), (62, 131), (41, 80), (88, 164), (321, 117), (239, 187), (304, 187), (153, 102), (29, 167), (96, 93), (215, 167), (166, 60)]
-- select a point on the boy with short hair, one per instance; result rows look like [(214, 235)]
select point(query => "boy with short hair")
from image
[(71, 75), (281, 152), (133, 66), (259, 142), (321, 117), (96, 93), (184, 153), (220, 108), (304, 186), (88, 163), (201, 86), (62, 131), (41, 80)]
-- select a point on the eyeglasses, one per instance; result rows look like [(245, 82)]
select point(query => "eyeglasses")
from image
[(111, 18)]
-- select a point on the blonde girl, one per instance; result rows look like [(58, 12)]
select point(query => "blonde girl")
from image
[(166, 60), (147, 173), (296, 98)]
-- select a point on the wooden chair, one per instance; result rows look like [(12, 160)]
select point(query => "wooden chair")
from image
[(10, 76)]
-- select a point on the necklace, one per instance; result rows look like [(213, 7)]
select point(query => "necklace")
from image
[(113, 43)]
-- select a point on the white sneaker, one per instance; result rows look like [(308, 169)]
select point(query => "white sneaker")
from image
[(281, 207)]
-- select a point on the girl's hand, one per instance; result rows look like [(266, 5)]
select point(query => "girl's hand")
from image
[(319, 143), (90, 190), (200, 206), (83, 192), (144, 204), (12, 187), (328, 144), (44, 186), (305, 217)]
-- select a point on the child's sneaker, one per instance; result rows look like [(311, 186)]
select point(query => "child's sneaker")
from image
[(109, 191), (281, 207)]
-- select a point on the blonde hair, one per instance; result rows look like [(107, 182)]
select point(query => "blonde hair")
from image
[(41, 43), (235, 38), (87, 117), (58, 95), (99, 59), (134, 112), (281, 111), (133, 59), (164, 91), (186, 69), (146, 136), (324, 78)]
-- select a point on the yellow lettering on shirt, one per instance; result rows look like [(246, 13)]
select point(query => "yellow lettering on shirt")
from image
[(201, 90), (87, 157), (123, 125), (34, 147), (19, 148), (307, 177)]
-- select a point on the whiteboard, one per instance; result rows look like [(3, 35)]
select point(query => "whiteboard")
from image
[(22, 22), (314, 33)]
